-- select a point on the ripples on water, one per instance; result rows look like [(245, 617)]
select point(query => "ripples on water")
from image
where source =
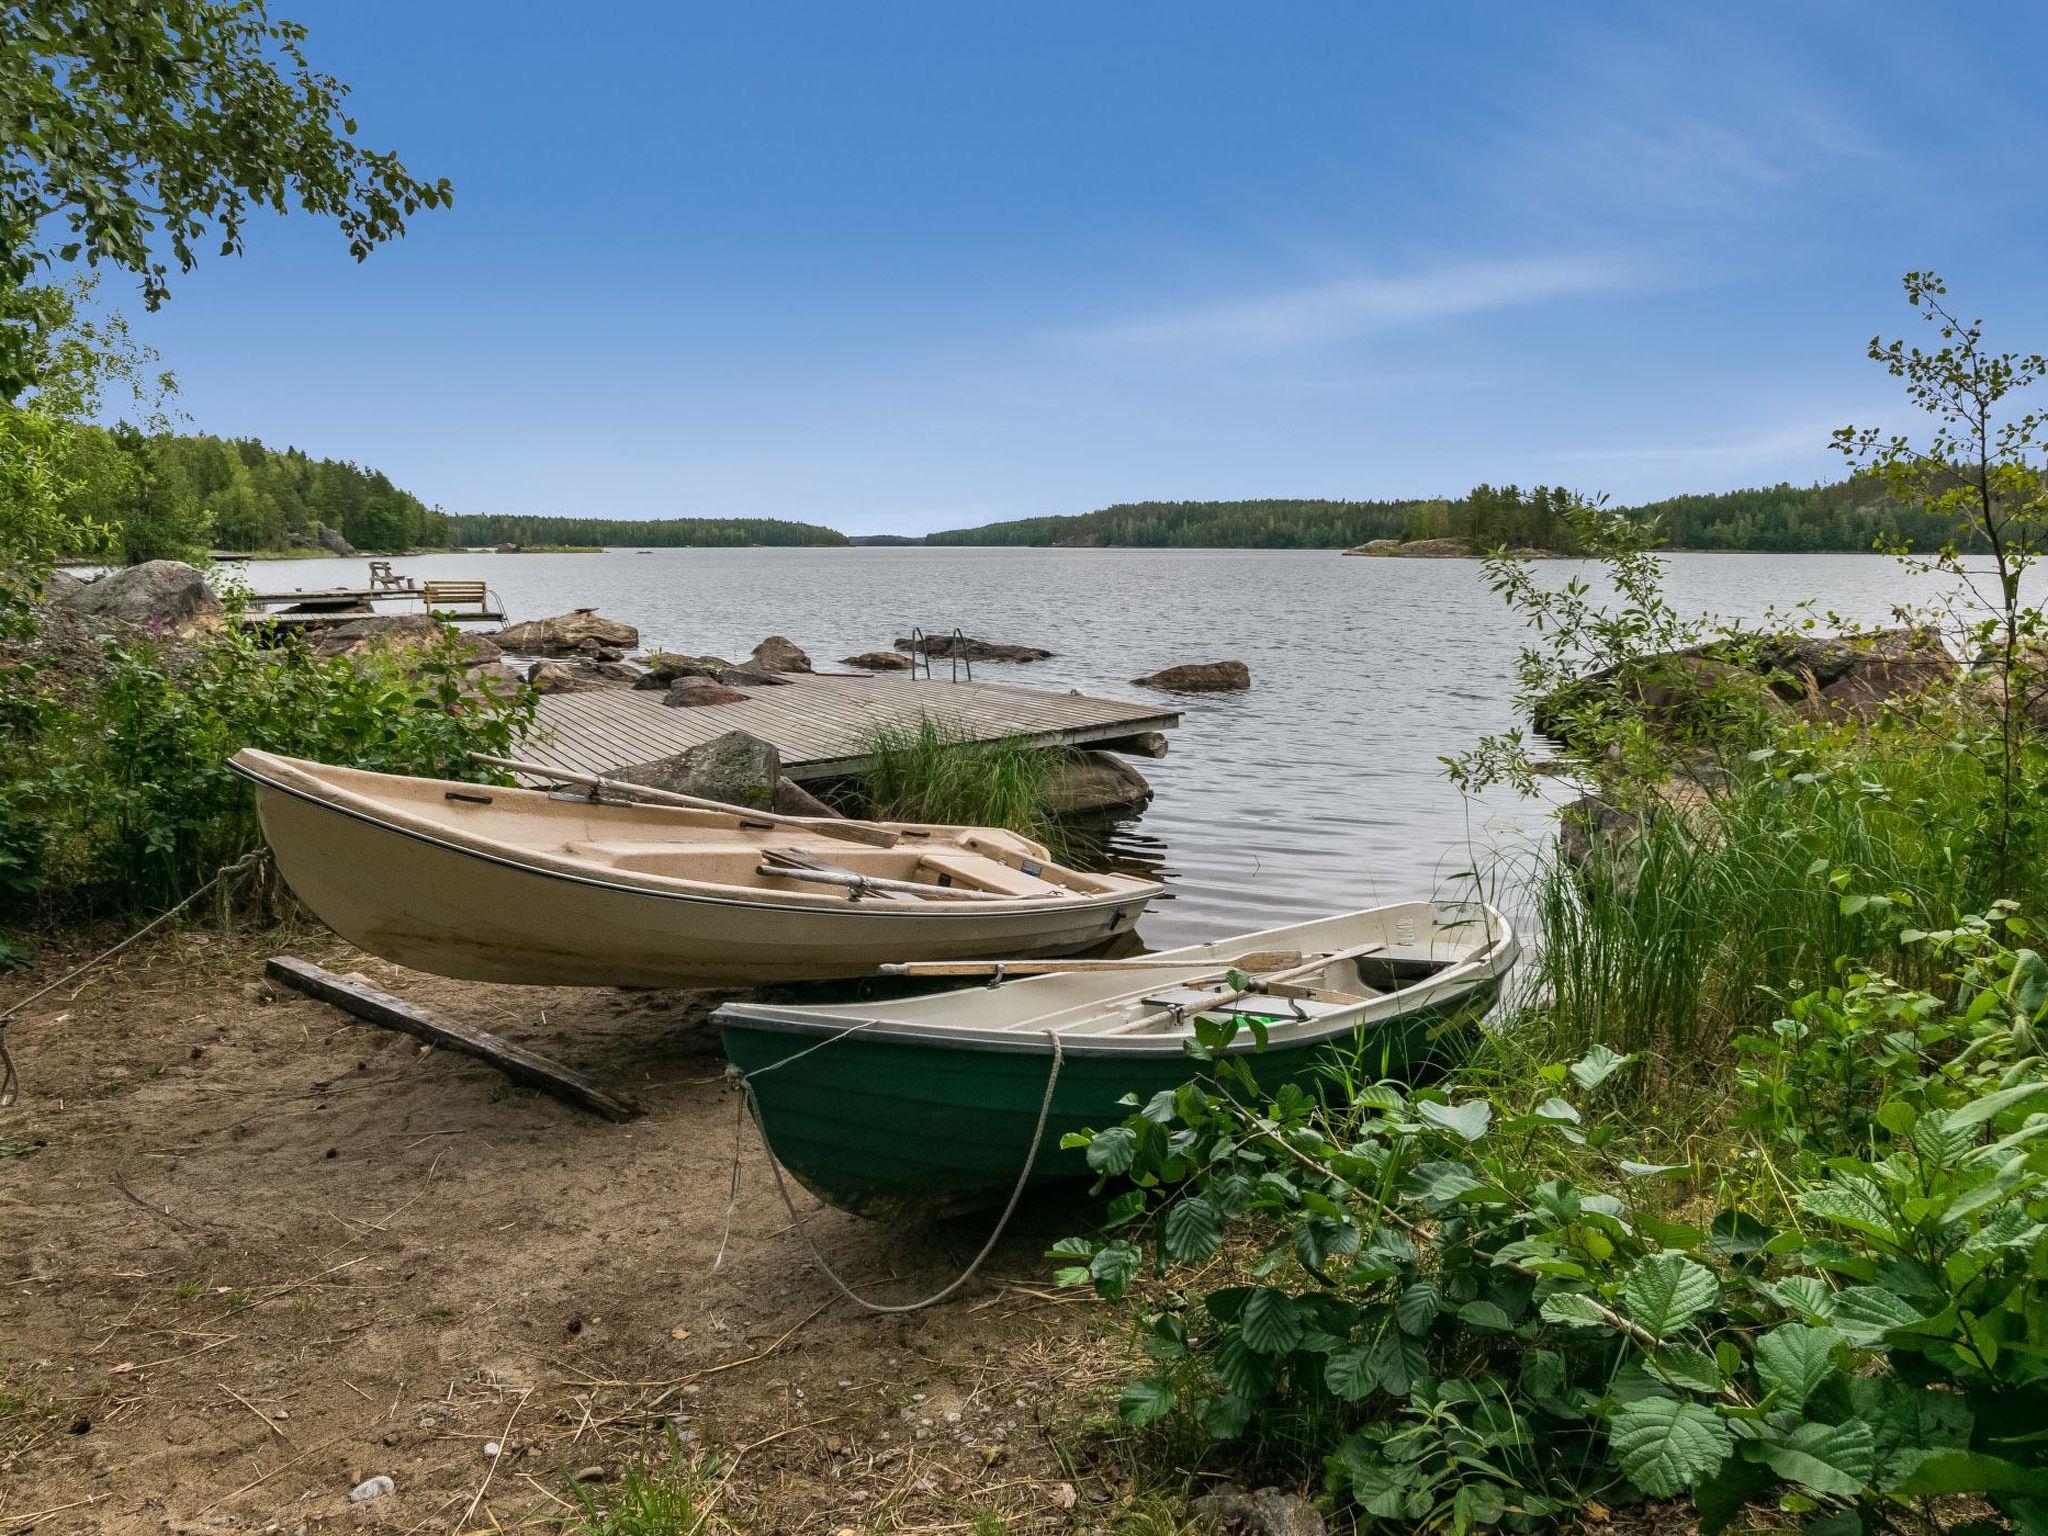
[(1317, 790)]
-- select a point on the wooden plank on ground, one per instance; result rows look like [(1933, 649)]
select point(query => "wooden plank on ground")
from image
[(357, 997)]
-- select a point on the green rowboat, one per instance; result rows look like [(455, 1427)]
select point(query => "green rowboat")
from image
[(929, 1104)]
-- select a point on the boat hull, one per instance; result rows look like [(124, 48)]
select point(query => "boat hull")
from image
[(455, 911), (881, 1124)]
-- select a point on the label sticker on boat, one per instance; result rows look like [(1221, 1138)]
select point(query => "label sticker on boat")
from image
[(1031, 867)]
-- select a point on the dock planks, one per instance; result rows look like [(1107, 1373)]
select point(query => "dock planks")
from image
[(820, 722)]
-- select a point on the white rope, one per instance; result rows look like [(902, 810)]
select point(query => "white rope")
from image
[(10, 1081), (753, 1105)]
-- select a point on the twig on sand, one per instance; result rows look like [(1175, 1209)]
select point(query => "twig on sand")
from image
[(504, 1450), (266, 1477), (261, 1417), (153, 1208), (709, 1370), (287, 1288), (17, 1523)]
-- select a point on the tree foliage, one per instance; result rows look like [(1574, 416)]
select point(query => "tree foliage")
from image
[(660, 533), (136, 135)]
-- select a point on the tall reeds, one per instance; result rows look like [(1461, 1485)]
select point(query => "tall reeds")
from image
[(934, 772)]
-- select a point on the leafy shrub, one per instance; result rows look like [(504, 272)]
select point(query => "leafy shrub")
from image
[(118, 796), (1480, 1311)]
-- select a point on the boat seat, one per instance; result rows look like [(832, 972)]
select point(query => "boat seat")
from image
[(980, 873)]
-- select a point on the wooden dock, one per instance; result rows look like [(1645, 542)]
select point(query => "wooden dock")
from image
[(820, 723)]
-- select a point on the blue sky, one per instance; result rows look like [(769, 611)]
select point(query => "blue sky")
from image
[(898, 267)]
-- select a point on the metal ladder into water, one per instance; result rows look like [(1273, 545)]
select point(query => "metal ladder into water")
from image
[(920, 650)]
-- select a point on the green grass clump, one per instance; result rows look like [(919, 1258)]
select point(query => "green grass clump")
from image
[(934, 772), (672, 1496), (1674, 939)]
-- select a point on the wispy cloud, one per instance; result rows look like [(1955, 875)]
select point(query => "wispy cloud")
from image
[(1685, 116), (1797, 443), (1323, 313)]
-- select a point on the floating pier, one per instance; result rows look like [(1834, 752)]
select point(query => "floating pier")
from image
[(820, 723)]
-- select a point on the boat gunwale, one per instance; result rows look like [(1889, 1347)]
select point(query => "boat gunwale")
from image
[(1461, 977), (671, 888)]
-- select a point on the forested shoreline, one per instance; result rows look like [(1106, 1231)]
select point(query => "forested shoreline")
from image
[(152, 495), (657, 533), (1849, 515)]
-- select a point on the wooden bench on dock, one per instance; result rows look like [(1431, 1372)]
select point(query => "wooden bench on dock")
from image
[(449, 596)]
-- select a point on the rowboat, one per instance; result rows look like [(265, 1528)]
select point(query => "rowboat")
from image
[(564, 888), (932, 1104)]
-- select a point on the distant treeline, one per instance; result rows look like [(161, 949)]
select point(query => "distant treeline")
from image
[(662, 533), (157, 495), (1849, 515), (1273, 524), (1488, 515), (1852, 514)]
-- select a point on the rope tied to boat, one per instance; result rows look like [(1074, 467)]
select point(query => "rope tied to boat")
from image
[(752, 1106), (10, 1080)]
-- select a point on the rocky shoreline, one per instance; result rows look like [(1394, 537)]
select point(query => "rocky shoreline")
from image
[(582, 651)]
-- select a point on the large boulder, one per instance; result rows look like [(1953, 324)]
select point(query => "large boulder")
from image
[(664, 667), (1264, 1512), (879, 661), (579, 676), (1200, 677), (568, 634), (735, 768), (388, 633), (694, 692), (1883, 670), (334, 543), (162, 596), (779, 654), (1416, 549), (1093, 784), (970, 649)]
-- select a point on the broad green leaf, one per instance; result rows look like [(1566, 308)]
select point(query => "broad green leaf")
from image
[(1665, 1291), (1866, 1313), (1467, 1121), (1146, 1400), (1573, 1310), (1960, 1471), (1597, 1065), (1977, 1111), (1381, 1096), (1666, 1444), (1828, 1458), (1127, 1206), (1418, 1306), (1350, 1374), (1793, 1360), (1192, 1230), (1651, 1170), (1113, 1150), (1112, 1268), (1851, 1201), (1271, 1322), (1485, 1314), (1248, 1373), (1736, 1233), (1685, 1366)]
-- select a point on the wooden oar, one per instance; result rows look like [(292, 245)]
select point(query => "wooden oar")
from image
[(1258, 984), (858, 883), (849, 831), (1253, 963)]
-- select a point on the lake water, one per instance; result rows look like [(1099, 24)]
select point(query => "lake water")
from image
[(1319, 789)]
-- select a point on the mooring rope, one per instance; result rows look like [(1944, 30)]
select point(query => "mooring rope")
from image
[(10, 1080), (753, 1107)]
